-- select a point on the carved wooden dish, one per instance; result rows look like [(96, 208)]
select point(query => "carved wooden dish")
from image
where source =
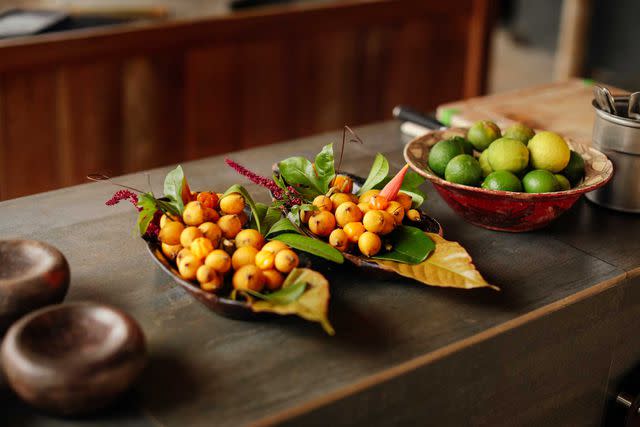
[(73, 358), (239, 310), (32, 274)]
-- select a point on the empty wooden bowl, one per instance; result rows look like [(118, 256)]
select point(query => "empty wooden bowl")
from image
[(74, 358), (32, 274)]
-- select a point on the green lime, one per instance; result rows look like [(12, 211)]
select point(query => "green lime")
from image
[(466, 145), (575, 169), (549, 151), (520, 132), (463, 169), (508, 154), (563, 182), (484, 163), (442, 153), (540, 181), (482, 134), (502, 181)]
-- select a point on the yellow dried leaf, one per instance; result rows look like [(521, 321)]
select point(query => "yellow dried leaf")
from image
[(449, 266), (312, 305)]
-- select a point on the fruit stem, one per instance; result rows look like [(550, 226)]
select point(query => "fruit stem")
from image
[(390, 191)]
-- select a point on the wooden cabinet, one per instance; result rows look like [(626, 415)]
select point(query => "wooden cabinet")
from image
[(138, 96)]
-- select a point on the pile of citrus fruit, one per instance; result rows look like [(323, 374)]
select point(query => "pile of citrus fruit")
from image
[(517, 160), (209, 242)]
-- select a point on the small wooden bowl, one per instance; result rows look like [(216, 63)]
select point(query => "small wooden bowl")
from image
[(506, 210), (74, 358), (32, 274)]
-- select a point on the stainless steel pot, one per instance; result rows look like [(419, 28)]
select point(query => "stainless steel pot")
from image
[(619, 138)]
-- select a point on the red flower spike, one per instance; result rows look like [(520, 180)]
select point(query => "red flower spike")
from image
[(390, 191)]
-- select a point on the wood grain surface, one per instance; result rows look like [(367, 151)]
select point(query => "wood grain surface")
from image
[(403, 353), (131, 97)]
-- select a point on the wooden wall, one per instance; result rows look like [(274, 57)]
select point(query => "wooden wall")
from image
[(127, 99)]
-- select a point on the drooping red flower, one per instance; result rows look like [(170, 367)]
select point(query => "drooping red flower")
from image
[(121, 195), (290, 196)]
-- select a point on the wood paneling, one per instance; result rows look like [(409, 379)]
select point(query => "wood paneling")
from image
[(131, 98)]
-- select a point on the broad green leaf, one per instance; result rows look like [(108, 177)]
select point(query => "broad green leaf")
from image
[(272, 216), (147, 203), (299, 173), (283, 225), (285, 295), (261, 211), (235, 188), (449, 265), (174, 183), (310, 245), (379, 171), (410, 245), (312, 305), (325, 168)]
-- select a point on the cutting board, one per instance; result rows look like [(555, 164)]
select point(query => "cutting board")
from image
[(563, 107)]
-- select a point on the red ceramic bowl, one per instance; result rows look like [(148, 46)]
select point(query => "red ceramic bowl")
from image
[(506, 210)]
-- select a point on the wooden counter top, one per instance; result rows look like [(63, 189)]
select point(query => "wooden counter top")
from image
[(544, 349)]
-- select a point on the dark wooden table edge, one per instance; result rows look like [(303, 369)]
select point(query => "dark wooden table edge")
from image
[(442, 352)]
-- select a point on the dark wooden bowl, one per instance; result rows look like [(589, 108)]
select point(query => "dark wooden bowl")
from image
[(226, 307), (32, 274), (74, 358), (233, 309)]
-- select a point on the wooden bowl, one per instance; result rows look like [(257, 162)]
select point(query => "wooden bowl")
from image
[(74, 358), (506, 210), (32, 274), (239, 310)]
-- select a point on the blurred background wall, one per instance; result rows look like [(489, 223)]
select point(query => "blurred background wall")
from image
[(182, 79)]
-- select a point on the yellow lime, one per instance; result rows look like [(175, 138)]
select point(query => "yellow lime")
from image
[(484, 163), (463, 169), (563, 182), (508, 154), (481, 134), (520, 132), (549, 151)]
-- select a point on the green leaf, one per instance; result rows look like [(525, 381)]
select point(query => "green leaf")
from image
[(312, 305), (325, 168), (310, 245), (285, 295), (299, 173), (272, 216), (173, 184), (167, 206), (235, 188), (283, 225), (379, 171), (147, 202), (410, 245)]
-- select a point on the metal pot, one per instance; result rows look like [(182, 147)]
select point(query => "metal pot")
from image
[(619, 138)]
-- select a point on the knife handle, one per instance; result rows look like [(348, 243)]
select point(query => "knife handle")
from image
[(405, 113)]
